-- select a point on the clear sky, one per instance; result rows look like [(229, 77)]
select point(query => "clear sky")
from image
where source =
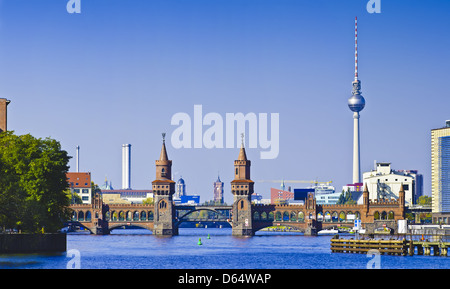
[(119, 71)]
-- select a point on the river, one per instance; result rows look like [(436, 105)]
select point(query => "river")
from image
[(136, 249)]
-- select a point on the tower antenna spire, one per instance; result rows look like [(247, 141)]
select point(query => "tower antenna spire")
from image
[(356, 48), (356, 103)]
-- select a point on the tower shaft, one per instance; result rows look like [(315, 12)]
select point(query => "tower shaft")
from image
[(356, 151)]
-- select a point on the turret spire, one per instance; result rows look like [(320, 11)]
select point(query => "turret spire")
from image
[(242, 154), (163, 156)]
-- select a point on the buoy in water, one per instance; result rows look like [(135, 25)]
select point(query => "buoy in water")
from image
[(199, 241), (208, 237)]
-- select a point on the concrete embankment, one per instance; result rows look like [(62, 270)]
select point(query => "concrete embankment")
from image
[(32, 243)]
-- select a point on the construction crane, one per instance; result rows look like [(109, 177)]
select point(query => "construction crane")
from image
[(294, 181)]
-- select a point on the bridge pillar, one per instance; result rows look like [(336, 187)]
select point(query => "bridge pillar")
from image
[(242, 189), (242, 216), (163, 223)]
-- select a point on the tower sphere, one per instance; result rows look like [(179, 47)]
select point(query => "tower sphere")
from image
[(356, 103)]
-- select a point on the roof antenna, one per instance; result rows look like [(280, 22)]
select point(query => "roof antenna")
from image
[(356, 48)]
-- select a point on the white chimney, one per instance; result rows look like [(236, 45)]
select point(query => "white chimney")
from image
[(126, 167), (78, 159)]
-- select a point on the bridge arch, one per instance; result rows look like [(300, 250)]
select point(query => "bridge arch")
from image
[(301, 217), (80, 216), (143, 216), (294, 225), (88, 216), (198, 210), (113, 226), (293, 216), (320, 216)]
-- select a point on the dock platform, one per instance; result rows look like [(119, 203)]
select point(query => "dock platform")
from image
[(401, 247)]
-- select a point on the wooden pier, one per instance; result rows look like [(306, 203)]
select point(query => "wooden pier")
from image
[(403, 247), (391, 247)]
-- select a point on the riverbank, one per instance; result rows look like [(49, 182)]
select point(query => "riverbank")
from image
[(32, 243)]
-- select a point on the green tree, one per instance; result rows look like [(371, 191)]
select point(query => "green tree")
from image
[(424, 201), (95, 189), (32, 183), (148, 201), (348, 198), (345, 198), (73, 197)]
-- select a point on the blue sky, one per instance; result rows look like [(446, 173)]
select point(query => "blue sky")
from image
[(118, 72)]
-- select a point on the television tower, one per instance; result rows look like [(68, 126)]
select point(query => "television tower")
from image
[(356, 103)]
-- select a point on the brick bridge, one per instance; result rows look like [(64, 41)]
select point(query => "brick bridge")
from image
[(164, 217), (100, 218)]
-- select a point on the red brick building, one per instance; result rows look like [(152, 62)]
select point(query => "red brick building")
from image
[(278, 196)]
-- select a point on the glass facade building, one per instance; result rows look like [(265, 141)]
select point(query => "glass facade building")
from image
[(444, 173), (440, 169)]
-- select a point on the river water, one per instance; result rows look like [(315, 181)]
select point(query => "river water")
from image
[(136, 249)]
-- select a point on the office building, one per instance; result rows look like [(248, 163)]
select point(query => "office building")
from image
[(440, 173)]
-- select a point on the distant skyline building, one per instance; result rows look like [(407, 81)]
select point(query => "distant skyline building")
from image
[(218, 190), (111, 196), (107, 185), (180, 188), (181, 197), (384, 183), (356, 103), (440, 173)]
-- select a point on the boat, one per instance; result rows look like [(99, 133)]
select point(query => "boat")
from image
[(328, 232)]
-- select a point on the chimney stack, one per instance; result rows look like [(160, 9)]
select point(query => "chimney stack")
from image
[(126, 166), (3, 114), (78, 159)]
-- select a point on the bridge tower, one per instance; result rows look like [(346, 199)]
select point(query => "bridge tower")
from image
[(242, 189), (163, 189)]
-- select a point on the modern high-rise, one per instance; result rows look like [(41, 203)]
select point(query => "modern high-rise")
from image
[(356, 103), (440, 173)]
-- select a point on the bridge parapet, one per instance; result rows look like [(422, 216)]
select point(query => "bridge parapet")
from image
[(341, 206), (382, 202)]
